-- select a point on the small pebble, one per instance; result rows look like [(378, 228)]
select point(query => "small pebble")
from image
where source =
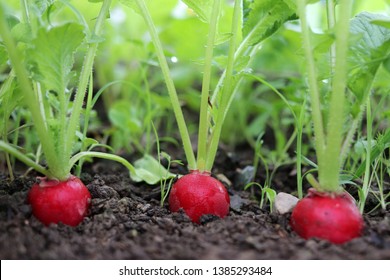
[(285, 203)]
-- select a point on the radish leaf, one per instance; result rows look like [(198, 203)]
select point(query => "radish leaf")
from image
[(148, 169), (22, 32), (51, 55), (262, 18), (202, 8), (370, 48), (132, 4), (381, 144)]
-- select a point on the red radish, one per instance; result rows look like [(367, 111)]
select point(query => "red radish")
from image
[(199, 194), (63, 198), (53, 201), (330, 216)]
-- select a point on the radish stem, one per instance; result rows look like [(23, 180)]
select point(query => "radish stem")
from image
[(23, 158), (83, 82), (312, 83), (328, 143), (203, 119), (29, 94), (170, 86), (226, 88), (101, 155), (366, 180), (329, 177)]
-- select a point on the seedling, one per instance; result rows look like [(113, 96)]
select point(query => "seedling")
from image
[(198, 193), (267, 193), (59, 196)]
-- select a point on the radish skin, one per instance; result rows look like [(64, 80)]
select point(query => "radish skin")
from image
[(55, 201), (198, 194), (329, 216)]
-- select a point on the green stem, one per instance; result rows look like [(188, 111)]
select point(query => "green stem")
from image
[(381, 182), (149, 113), (299, 150), (313, 182), (83, 83), (112, 157), (203, 118), (25, 11), (5, 95), (244, 48), (253, 51), (88, 109), (330, 11), (350, 134), (16, 132), (226, 89), (331, 165), (185, 137), (319, 134), (355, 123), (366, 180), (23, 158), (28, 93)]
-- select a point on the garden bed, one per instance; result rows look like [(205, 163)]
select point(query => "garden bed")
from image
[(127, 222), (241, 77)]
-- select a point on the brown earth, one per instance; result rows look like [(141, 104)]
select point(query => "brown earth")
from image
[(127, 222)]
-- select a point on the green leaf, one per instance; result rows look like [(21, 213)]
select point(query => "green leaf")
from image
[(270, 195), (381, 143), (9, 99), (222, 38), (370, 46), (202, 8), (346, 179), (51, 55), (148, 169), (41, 6), (87, 142), (132, 4), (360, 146), (12, 21), (22, 32), (262, 18)]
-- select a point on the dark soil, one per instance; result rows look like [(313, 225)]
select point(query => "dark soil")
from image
[(127, 222)]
